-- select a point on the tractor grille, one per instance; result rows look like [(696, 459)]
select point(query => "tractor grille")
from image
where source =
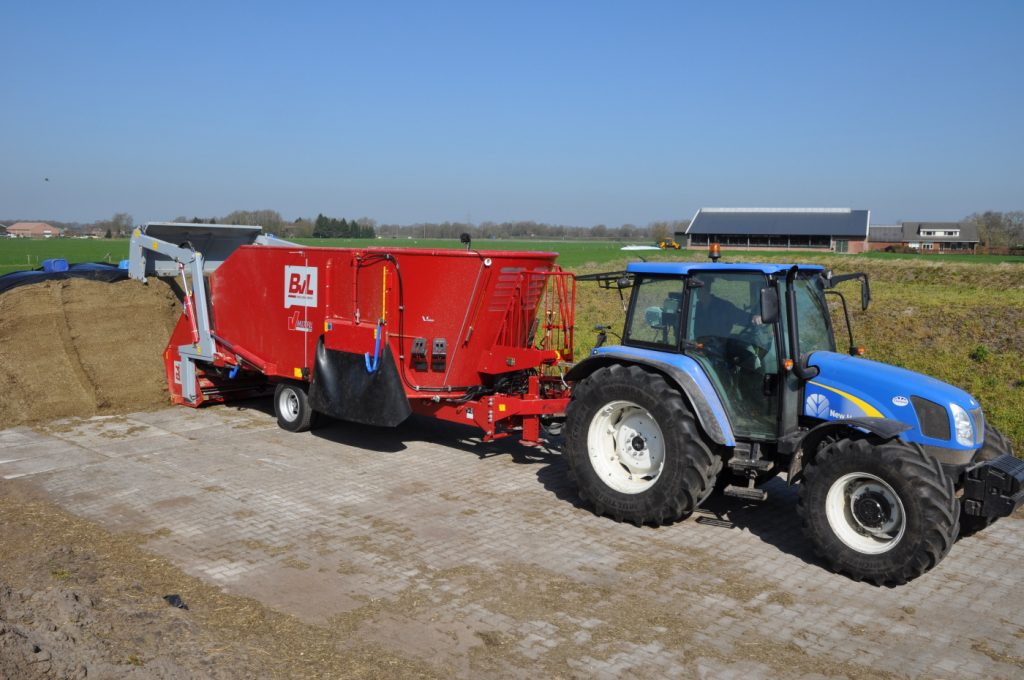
[(933, 418), (979, 425)]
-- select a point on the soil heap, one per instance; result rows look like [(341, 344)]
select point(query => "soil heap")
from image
[(79, 348)]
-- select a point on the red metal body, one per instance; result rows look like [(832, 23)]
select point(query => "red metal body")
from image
[(477, 336)]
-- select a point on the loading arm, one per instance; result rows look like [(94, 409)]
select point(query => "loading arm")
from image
[(190, 266)]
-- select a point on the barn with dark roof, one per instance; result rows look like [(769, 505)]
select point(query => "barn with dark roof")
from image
[(841, 230)]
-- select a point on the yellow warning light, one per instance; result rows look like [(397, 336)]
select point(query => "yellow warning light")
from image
[(297, 372)]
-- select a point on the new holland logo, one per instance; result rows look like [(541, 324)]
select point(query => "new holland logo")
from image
[(299, 287), (816, 405)]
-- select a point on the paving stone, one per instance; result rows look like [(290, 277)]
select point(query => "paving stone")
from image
[(489, 539)]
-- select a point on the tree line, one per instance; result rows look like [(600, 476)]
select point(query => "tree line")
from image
[(329, 227), (1000, 230)]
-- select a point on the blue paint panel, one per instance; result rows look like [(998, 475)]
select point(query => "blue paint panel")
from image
[(688, 366), (686, 268), (885, 388)]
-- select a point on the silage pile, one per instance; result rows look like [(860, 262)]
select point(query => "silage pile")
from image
[(80, 348)]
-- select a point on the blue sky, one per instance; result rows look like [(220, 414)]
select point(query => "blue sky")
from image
[(573, 113)]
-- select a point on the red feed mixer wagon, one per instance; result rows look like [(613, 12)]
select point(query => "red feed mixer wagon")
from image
[(367, 335)]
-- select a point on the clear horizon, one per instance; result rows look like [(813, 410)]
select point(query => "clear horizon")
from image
[(576, 114)]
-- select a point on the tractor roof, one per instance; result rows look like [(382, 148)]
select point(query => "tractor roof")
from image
[(685, 268)]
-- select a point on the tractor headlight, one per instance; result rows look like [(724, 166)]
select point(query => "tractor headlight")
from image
[(964, 429)]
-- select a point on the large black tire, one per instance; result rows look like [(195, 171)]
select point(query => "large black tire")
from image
[(291, 406), (906, 517), (995, 445), (620, 415)]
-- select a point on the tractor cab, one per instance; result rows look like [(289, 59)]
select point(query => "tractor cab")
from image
[(730, 320)]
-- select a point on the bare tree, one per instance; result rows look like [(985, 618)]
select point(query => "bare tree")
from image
[(121, 224)]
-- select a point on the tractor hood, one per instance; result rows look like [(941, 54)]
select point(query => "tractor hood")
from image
[(851, 387)]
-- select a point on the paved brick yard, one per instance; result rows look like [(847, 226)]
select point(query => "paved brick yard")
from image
[(477, 559)]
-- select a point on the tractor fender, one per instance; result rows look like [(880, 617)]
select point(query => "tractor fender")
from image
[(883, 428), (682, 372)]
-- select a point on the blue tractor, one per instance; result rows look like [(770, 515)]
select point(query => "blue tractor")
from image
[(729, 373)]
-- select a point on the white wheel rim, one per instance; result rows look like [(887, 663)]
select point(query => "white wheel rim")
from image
[(865, 513), (626, 447), (288, 404)]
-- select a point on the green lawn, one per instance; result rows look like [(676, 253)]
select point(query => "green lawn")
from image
[(17, 254), (570, 253)]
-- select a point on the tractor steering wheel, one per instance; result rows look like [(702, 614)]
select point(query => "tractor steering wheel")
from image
[(733, 353)]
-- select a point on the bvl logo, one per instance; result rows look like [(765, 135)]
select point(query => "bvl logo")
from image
[(299, 287)]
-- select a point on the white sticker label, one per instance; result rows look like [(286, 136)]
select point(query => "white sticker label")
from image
[(297, 324), (177, 372), (900, 401), (299, 286)]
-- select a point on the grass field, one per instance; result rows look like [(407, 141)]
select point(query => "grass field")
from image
[(957, 318), (20, 254), (17, 254)]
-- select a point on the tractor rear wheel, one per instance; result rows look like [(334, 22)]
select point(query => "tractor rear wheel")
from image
[(634, 448), (884, 513), (995, 445), (291, 406)]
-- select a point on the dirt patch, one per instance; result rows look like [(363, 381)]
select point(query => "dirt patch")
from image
[(81, 348), (77, 601)]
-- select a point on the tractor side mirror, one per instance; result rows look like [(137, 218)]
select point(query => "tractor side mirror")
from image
[(769, 305), (865, 293)]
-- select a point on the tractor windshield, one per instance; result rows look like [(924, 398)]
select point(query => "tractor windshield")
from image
[(813, 315)]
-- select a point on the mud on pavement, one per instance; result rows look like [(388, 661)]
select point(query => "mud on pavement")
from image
[(420, 550), (77, 601)]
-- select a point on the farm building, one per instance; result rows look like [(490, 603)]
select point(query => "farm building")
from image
[(34, 230), (927, 237), (842, 230)]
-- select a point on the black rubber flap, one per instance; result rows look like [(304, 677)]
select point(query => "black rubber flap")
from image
[(97, 271), (343, 388)]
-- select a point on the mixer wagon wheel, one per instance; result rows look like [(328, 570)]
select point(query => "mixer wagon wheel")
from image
[(995, 445), (634, 448), (291, 406), (884, 513)]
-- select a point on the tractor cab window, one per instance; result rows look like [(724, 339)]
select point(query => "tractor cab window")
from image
[(656, 313), (736, 350), (812, 312)]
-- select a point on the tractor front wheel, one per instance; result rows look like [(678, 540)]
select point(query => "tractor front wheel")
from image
[(291, 406), (634, 448), (883, 513)]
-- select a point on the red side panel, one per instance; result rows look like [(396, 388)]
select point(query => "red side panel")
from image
[(272, 304)]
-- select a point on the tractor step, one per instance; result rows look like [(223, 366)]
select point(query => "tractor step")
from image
[(746, 492), (743, 464)]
